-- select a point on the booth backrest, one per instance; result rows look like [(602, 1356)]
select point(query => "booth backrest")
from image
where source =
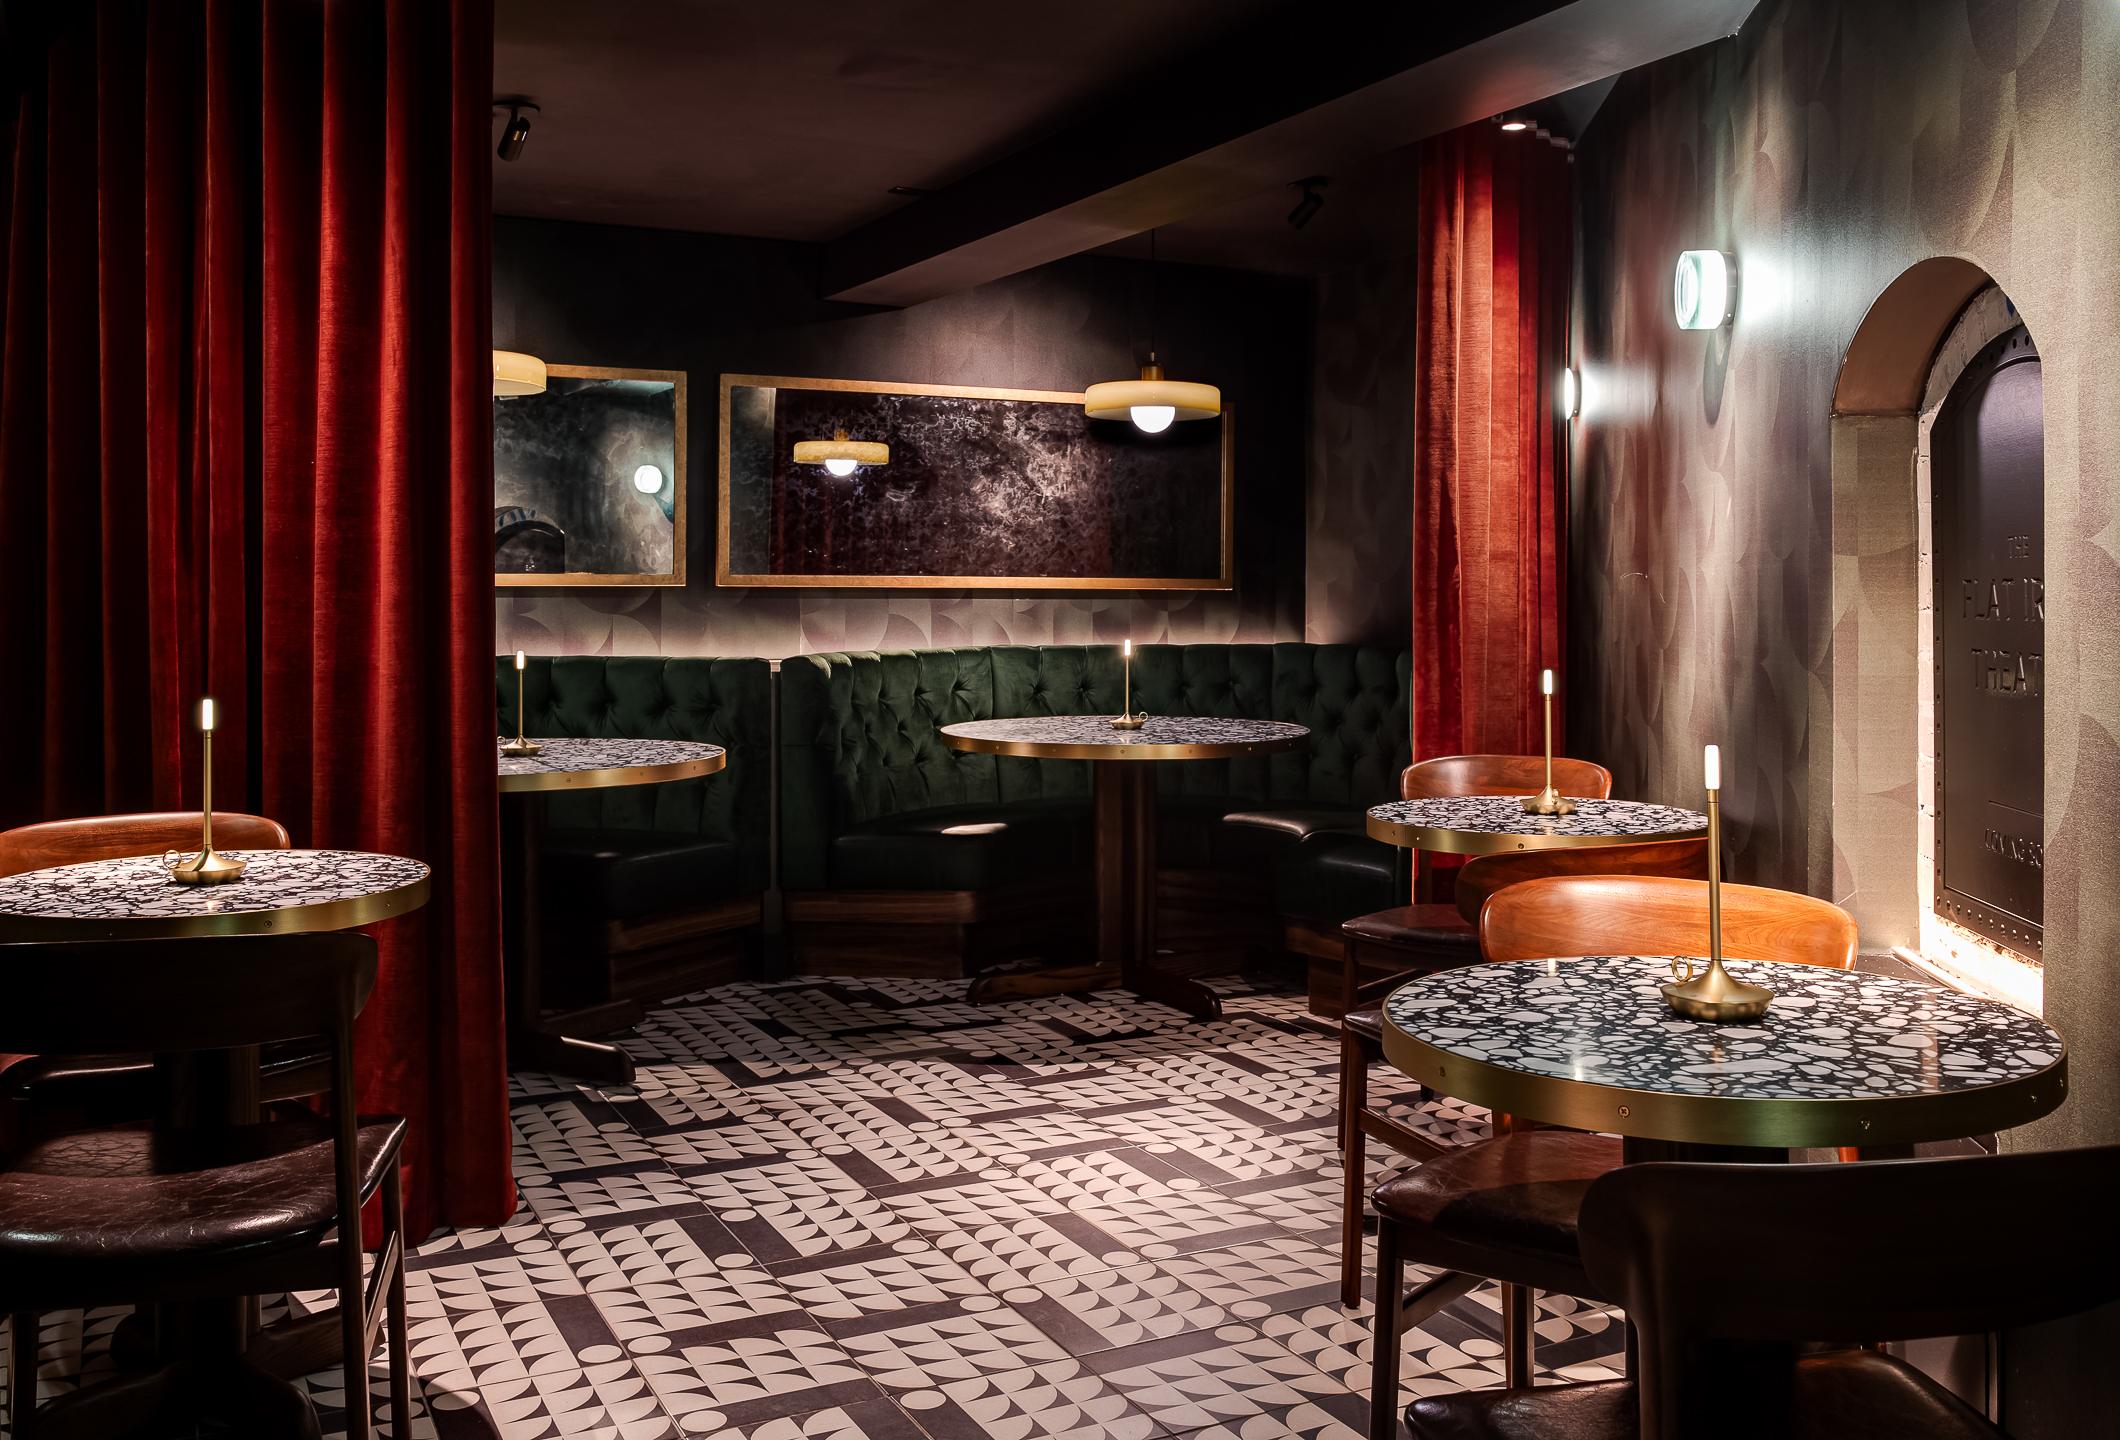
[(722, 702), (859, 741)]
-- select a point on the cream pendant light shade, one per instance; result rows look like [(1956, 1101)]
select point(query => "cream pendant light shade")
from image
[(839, 455), (1127, 399), (515, 373), (1151, 402)]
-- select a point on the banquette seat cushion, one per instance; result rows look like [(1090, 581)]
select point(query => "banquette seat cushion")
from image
[(622, 852), (873, 797)]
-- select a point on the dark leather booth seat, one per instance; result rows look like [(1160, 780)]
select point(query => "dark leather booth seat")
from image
[(983, 858), (651, 890)]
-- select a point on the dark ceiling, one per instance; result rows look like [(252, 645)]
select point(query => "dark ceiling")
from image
[(1028, 131), (795, 119)]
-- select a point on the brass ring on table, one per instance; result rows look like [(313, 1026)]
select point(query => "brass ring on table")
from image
[(348, 914), (1484, 842), (1144, 750), (612, 775), (1772, 1124)]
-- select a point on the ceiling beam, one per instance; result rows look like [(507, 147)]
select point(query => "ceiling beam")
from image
[(1265, 106)]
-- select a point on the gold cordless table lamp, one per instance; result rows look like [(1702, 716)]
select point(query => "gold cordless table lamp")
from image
[(206, 867), (1127, 719), (1548, 801), (519, 746), (1712, 993)]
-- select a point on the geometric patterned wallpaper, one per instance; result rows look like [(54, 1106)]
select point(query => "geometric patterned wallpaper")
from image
[(1830, 146)]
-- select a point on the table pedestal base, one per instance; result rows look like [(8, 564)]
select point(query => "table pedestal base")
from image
[(536, 1040), (1125, 819)]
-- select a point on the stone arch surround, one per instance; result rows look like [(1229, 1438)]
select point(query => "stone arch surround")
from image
[(1914, 343)]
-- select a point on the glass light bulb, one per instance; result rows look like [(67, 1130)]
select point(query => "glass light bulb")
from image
[(648, 479), (841, 468), (1153, 419)]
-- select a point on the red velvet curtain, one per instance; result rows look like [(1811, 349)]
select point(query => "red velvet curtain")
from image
[(246, 451), (1490, 500)]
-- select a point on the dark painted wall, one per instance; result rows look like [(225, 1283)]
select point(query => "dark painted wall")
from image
[(603, 295), (1830, 146)]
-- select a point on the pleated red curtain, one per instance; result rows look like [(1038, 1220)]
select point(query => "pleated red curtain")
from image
[(1490, 500), (246, 451)]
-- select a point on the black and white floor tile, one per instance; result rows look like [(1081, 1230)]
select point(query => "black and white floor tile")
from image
[(864, 1210)]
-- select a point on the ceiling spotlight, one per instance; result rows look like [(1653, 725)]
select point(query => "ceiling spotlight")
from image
[(518, 132), (1515, 124), (1312, 202)]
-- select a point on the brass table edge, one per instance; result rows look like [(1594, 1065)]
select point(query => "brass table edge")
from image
[(612, 775), (1056, 750), (1729, 1120), (1481, 842), (348, 914)]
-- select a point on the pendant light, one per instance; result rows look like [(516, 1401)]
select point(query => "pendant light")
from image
[(841, 456), (1151, 402), (515, 373)]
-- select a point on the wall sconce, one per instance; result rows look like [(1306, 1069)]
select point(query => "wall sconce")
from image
[(1571, 393), (1704, 289)]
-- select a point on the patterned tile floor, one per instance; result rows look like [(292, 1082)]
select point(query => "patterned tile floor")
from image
[(836, 1209)]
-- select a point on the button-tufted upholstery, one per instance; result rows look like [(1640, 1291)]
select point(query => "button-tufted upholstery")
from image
[(626, 848), (859, 749)]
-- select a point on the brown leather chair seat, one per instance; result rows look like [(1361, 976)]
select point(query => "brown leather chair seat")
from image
[(1417, 926), (1840, 1395), (91, 1213), (1505, 1208), (1369, 1024)]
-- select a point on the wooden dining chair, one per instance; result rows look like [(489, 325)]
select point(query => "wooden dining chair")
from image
[(137, 1214), (1504, 1209), (113, 837), (1699, 1257), (115, 1087)]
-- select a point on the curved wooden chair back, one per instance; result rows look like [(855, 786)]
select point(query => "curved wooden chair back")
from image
[(1659, 915), (1658, 1239), (1485, 874), (113, 837), (1503, 775)]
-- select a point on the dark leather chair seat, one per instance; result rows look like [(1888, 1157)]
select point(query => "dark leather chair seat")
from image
[(625, 874), (94, 1212), (1369, 1024), (1839, 1395), (963, 847), (1601, 1411), (1416, 925), (1504, 1208)]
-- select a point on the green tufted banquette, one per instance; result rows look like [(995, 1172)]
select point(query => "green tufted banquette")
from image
[(872, 798), (629, 851)]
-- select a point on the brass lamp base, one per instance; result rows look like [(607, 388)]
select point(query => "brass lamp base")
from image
[(1713, 995), (1548, 801), (1128, 721), (208, 867), (521, 747)]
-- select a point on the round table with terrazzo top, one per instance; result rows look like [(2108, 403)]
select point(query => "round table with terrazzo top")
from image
[(569, 762), (1125, 821), (1842, 1057), (537, 1038), (281, 892), (1499, 824)]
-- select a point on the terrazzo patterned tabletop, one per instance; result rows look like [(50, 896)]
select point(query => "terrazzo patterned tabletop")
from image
[(1491, 824), (1091, 737), (1843, 1057), (568, 762), (282, 892)]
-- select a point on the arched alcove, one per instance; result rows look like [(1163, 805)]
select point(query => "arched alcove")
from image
[(1918, 336)]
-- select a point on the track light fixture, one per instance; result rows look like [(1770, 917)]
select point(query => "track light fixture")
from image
[(517, 134), (1312, 202)]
